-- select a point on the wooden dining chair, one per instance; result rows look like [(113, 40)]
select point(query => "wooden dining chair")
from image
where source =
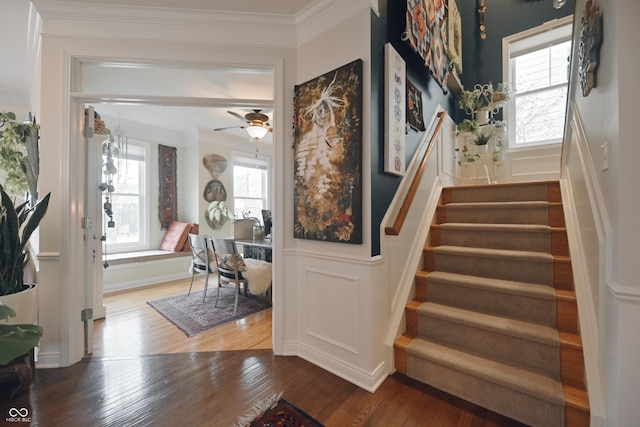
[(230, 265)]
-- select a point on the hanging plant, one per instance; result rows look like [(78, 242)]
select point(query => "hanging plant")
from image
[(19, 157)]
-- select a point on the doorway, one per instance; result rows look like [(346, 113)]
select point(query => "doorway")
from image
[(142, 91)]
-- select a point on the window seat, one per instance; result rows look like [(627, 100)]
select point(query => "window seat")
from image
[(143, 256)]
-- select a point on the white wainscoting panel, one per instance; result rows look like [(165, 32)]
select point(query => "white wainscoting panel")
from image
[(534, 167), (336, 295)]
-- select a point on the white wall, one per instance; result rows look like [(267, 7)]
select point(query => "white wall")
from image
[(607, 206)]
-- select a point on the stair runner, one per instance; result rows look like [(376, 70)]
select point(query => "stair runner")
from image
[(494, 320)]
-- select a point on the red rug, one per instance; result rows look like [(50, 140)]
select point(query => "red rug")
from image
[(276, 412)]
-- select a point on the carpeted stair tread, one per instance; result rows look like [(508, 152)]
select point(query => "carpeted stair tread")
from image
[(515, 299), (505, 326), (530, 256), (500, 192), (532, 237), (539, 291), (525, 266), (509, 228), (520, 380), (528, 212)]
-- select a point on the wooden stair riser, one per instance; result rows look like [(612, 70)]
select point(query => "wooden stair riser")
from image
[(411, 315), (505, 304), (559, 241), (503, 268), (421, 286), (572, 367), (567, 312), (556, 215), (562, 274), (400, 353), (512, 350), (576, 410)]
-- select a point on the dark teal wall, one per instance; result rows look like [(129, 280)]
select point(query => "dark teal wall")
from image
[(482, 62), (388, 27), (482, 59)]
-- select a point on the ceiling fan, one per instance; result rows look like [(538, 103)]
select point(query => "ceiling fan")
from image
[(257, 123)]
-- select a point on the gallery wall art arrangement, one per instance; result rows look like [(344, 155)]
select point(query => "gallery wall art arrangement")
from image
[(328, 156)]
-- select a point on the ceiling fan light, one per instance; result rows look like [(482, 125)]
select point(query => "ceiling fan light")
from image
[(559, 3), (257, 132)]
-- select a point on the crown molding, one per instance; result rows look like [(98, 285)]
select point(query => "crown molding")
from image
[(321, 16), (205, 26)]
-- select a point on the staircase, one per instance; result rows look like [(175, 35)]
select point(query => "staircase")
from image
[(495, 320)]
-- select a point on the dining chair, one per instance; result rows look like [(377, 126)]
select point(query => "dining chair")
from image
[(230, 265), (200, 262)]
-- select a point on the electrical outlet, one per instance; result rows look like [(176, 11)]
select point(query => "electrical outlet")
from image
[(604, 156)]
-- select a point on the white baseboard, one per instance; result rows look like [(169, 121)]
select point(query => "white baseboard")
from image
[(369, 381)]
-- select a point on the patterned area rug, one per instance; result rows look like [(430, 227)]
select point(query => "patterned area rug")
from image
[(193, 317), (276, 412)]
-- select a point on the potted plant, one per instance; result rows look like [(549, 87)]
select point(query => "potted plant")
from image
[(17, 224), (16, 342), (484, 100)]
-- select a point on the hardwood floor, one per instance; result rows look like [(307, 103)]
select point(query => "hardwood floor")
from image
[(133, 328), (144, 373)]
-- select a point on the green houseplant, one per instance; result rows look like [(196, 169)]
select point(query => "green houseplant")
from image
[(17, 224), (19, 155)]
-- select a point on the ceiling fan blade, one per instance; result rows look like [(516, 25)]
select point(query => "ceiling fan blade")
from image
[(237, 115), (230, 127)]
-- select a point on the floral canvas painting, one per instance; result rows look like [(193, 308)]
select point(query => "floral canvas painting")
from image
[(328, 156)]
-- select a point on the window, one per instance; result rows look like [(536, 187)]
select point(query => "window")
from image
[(129, 202), (250, 185), (537, 63)]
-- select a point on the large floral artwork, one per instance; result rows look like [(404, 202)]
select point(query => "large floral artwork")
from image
[(328, 156), (427, 33)]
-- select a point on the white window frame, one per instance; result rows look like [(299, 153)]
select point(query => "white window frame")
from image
[(549, 33), (143, 243), (262, 162)]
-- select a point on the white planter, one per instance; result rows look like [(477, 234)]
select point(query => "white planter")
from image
[(482, 117), (25, 304)]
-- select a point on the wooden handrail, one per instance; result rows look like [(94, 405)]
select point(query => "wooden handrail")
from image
[(394, 230)]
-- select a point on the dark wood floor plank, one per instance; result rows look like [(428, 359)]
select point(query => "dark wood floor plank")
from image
[(145, 372)]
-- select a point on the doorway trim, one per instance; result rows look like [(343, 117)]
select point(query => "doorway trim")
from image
[(70, 340)]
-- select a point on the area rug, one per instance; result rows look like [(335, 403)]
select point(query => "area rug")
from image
[(193, 317), (276, 412)]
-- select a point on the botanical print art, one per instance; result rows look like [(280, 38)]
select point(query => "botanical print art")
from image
[(328, 156)]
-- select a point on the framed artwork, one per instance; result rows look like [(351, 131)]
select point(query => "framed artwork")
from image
[(589, 47), (395, 112), (454, 36), (328, 156), (426, 31), (414, 107), (168, 195)]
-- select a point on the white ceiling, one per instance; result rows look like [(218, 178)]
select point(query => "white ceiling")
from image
[(218, 84)]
